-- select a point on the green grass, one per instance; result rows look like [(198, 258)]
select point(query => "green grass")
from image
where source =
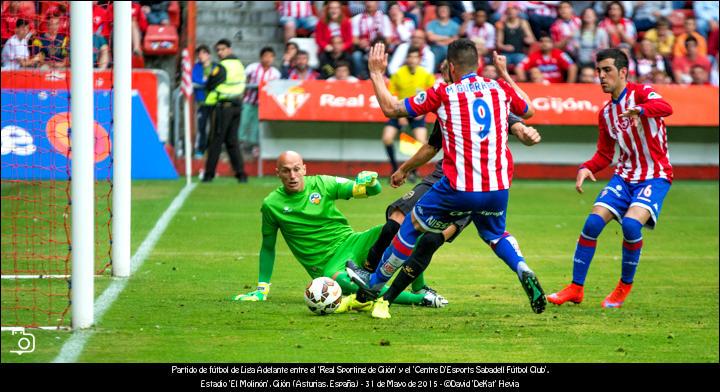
[(175, 308)]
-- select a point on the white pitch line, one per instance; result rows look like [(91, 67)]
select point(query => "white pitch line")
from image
[(74, 346)]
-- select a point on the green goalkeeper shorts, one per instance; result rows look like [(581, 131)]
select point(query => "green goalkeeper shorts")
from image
[(355, 248)]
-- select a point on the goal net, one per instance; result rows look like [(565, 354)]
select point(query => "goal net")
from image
[(36, 178)]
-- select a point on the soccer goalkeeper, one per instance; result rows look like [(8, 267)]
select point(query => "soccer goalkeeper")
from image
[(316, 232)]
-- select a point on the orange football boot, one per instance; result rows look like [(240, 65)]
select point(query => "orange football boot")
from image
[(617, 297), (573, 293)]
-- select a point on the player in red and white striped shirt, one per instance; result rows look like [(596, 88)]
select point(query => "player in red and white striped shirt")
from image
[(256, 75), (633, 120), (477, 163)]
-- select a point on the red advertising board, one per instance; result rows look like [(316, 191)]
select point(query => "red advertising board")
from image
[(557, 104)]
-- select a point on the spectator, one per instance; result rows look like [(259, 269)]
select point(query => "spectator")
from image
[(513, 34), (411, 10), (714, 74), (713, 42), (406, 83), (478, 27), (683, 64), (541, 15), (330, 60), (647, 13), (590, 38), (537, 76), (706, 13), (14, 11), (489, 71), (553, 63), (288, 59), (102, 19), (101, 52), (139, 27), (367, 26), (60, 10), (200, 72), (358, 7), (156, 12), (699, 75), (256, 74), (662, 36), (333, 24), (401, 27), (296, 15), (649, 60), (565, 30), (619, 28), (480, 46), (587, 75), (660, 77), (441, 32), (51, 47), (342, 72), (632, 64), (301, 70), (15, 52), (417, 39), (690, 30)]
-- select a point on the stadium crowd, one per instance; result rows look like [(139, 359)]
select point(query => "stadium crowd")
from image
[(544, 41), (35, 34)]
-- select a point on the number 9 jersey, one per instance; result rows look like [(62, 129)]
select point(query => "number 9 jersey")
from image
[(473, 116)]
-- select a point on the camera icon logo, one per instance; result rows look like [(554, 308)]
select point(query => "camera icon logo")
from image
[(26, 343)]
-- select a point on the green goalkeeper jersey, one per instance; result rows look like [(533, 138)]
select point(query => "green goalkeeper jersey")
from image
[(309, 220)]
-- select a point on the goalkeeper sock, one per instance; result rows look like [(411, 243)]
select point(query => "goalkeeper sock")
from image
[(346, 284), (390, 148), (585, 249), (396, 254), (507, 249), (418, 283), (386, 235), (415, 265), (631, 248)]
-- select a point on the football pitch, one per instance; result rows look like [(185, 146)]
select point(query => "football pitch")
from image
[(176, 307)]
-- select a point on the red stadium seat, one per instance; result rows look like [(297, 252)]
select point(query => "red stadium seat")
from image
[(174, 13), (160, 39)]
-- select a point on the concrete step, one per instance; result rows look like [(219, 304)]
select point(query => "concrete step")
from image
[(233, 17), (237, 33), (236, 5)]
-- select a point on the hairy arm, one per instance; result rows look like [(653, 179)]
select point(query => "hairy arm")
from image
[(423, 156), (389, 104)]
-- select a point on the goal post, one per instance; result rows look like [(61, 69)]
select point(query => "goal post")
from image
[(83, 164), (122, 138)]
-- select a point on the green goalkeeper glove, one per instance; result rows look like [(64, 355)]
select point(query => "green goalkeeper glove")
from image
[(263, 289), (367, 178)]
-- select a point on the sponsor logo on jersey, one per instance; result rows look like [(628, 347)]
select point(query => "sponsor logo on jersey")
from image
[(420, 98), (408, 195), (654, 95), (287, 210), (436, 224), (315, 198), (459, 213)]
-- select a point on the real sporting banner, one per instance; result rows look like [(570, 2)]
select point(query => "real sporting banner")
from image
[(557, 104)]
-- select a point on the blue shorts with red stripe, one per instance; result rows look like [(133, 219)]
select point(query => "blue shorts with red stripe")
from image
[(442, 205), (618, 196)]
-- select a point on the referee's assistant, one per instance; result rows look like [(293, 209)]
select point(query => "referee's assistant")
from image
[(225, 86)]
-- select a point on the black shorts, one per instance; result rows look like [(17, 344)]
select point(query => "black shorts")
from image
[(406, 203)]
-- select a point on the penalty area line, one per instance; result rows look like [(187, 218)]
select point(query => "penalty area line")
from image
[(73, 347)]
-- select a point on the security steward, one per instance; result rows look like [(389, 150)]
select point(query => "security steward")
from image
[(225, 86)]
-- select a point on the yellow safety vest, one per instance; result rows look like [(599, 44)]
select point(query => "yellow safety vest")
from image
[(234, 85)]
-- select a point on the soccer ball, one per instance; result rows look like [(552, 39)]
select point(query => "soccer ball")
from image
[(323, 295)]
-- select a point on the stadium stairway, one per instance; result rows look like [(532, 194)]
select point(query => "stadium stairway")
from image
[(249, 25)]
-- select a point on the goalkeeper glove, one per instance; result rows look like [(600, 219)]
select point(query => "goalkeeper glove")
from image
[(263, 289), (367, 178)]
